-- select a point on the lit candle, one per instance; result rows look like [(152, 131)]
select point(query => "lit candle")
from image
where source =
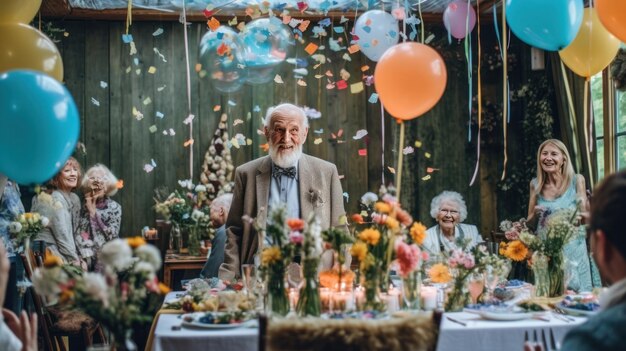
[(429, 297), (342, 301), (391, 301), (359, 297), (294, 295), (325, 298)]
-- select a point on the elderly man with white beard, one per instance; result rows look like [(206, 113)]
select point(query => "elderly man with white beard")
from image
[(305, 184)]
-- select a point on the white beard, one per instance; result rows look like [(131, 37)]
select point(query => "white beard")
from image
[(285, 160)]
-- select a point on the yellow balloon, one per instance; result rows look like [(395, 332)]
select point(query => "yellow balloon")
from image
[(18, 11), (593, 48), (24, 47)]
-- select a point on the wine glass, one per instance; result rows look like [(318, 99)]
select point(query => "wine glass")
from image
[(492, 278), (476, 286), (248, 277)]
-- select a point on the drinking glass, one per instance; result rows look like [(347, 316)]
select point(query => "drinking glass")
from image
[(492, 278), (248, 277), (476, 285)]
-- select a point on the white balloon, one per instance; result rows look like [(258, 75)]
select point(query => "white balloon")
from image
[(377, 31)]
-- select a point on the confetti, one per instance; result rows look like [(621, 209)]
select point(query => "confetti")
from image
[(345, 75), (95, 102), (312, 113), (418, 143), (157, 32), (138, 71), (391, 169), (427, 154), (345, 194), (233, 21), (278, 79), (362, 152), (360, 134), (213, 24), (356, 88), (172, 132), (338, 30), (301, 83), (408, 150), (318, 131), (147, 101), (160, 114), (161, 88), (398, 13), (317, 141), (189, 119), (365, 68), (188, 142), (103, 84), (311, 48), (237, 122), (148, 167), (156, 51), (431, 170), (346, 57), (152, 70), (302, 6), (373, 98), (153, 128), (136, 61), (342, 84), (127, 38), (304, 25), (426, 177), (138, 115), (231, 103), (133, 48), (343, 19), (119, 184), (354, 48), (301, 71), (66, 34), (217, 108)]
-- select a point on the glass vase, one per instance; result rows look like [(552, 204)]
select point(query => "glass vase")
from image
[(411, 286), (371, 284), (458, 296), (309, 303), (193, 242), (175, 238), (548, 272), (277, 300)]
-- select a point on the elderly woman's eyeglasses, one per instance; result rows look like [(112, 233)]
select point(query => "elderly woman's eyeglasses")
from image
[(449, 212)]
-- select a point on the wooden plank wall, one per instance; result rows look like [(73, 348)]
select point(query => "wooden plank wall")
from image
[(93, 52)]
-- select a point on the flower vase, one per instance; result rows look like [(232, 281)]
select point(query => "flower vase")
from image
[(458, 296), (548, 272), (411, 286), (277, 300), (175, 238), (309, 303), (123, 342), (371, 283), (193, 243)]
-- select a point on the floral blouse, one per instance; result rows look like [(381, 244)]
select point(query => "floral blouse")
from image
[(10, 207), (94, 232)]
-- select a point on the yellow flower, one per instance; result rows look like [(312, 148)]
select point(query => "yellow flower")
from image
[(516, 250), (439, 273), (66, 295), (270, 255), (359, 250), (392, 223), (382, 207), (28, 215), (135, 241), (163, 289), (502, 249), (52, 261), (370, 236), (418, 233)]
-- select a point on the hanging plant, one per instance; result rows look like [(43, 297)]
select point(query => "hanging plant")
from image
[(618, 70)]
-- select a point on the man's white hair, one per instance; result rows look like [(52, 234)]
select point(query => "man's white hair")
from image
[(286, 110)]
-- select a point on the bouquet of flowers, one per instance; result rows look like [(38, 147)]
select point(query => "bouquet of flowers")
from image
[(26, 226), (379, 225), (309, 303), (119, 297)]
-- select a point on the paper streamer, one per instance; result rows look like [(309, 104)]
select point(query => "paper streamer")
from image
[(480, 106), (382, 126), (506, 114), (188, 90), (572, 112), (129, 15), (467, 45), (400, 160), (587, 122)]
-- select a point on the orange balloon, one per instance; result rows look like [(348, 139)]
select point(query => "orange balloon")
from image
[(410, 79), (18, 11), (24, 47), (612, 14)]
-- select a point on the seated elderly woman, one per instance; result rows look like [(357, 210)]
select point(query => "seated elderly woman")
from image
[(449, 210)]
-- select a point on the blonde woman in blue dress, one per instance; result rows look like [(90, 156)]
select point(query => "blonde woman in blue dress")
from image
[(558, 187)]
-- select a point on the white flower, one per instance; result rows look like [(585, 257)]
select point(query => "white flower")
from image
[(197, 215), (45, 221), (47, 281), (145, 268), (369, 198), (96, 288), (200, 188), (149, 254), (15, 227), (117, 255), (186, 183)]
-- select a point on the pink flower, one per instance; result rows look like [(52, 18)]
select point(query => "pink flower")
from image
[(408, 258), (379, 218), (512, 234), (296, 238)]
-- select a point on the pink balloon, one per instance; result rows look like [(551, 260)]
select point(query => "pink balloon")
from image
[(455, 18)]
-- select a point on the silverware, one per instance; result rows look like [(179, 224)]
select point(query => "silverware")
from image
[(560, 317), (544, 342), (456, 321), (564, 314), (553, 343)]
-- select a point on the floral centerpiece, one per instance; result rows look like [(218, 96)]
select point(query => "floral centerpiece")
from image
[(119, 297), (309, 303), (377, 228), (543, 250), (26, 226), (409, 258), (187, 210)]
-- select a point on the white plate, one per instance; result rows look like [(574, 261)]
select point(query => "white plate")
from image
[(505, 316), (576, 311), (195, 323)]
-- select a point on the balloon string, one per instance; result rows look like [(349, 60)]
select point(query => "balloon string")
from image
[(587, 121), (480, 107), (188, 92), (129, 15), (400, 161), (505, 84), (467, 45), (419, 10), (572, 112), (382, 126), (406, 13)]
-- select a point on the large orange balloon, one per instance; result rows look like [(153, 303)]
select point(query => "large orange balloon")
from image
[(612, 14), (24, 47), (18, 11), (593, 48), (410, 79)]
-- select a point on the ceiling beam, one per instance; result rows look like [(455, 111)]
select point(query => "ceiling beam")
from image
[(55, 8)]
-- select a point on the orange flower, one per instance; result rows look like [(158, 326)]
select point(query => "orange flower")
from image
[(418, 233), (357, 218), (136, 241), (403, 216), (516, 250), (359, 250), (382, 207), (439, 273), (66, 295), (265, 147), (370, 236), (270, 255), (295, 224), (392, 223), (52, 261), (163, 289)]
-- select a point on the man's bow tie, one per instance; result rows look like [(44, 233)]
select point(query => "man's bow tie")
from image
[(288, 172)]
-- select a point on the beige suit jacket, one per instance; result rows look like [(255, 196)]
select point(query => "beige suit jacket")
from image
[(320, 192)]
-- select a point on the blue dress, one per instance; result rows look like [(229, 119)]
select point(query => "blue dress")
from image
[(579, 266)]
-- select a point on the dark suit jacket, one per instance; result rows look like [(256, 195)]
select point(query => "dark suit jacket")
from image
[(216, 258), (605, 331), (320, 193)]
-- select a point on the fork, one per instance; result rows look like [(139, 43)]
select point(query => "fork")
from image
[(564, 314)]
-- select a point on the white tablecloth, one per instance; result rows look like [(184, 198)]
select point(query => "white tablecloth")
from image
[(486, 335)]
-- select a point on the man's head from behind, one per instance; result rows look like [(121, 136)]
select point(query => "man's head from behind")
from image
[(219, 209), (286, 128), (608, 237)]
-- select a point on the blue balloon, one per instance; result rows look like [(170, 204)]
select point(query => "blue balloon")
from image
[(221, 56), (267, 42), (547, 24), (40, 126)]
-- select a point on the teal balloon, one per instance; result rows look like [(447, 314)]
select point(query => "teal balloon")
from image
[(547, 24), (39, 126), (226, 71)]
